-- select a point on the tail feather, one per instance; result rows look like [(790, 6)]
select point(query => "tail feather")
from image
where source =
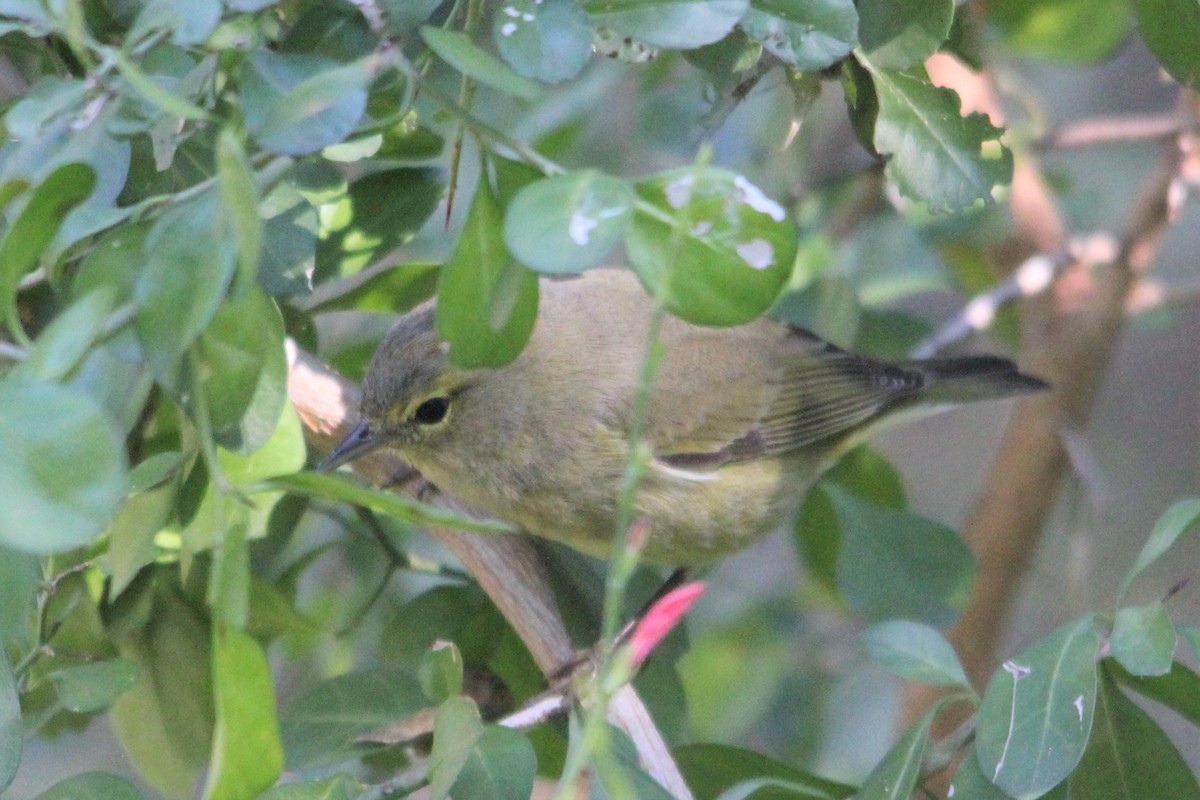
[(971, 378)]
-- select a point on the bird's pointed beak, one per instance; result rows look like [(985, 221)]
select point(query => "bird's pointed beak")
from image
[(361, 441)]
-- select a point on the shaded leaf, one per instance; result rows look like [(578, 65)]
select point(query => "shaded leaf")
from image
[(440, 672), (808, 35), (92, 786), (501, 766), (896, 775), (916, 652), (94, 686), (457, 50), (456, 730), (1178, 690), (898, 34), (1143, 639), (1174, 523), (679, 24), (11, 734), (337, 787), (711, 769), (547, 40)]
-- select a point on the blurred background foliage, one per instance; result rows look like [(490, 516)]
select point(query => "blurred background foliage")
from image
[(185, 186)]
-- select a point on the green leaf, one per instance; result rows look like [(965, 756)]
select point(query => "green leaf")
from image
[(1143, 639), (487, 302), (547, 40), (456, 729), (441, 672), (1128, 756), (20, 574), (970, 783), (677, 24), (189, 264), (334, 487), (64, 470), (808, 34), (404, 14), (320, 726), (1178, 690), (247, 753), (710, 244), (711, 769), (896, 775), (501, 766), (94, 686), (937, 155), (162, 98), (11, 734), (288, 254), (1174, 523), (337, 787), (1071, 31), (895, 564), (457, 50), (568, 223), (229, 580), (1191, 635), (188, 23), (132, 531), (64, 343), (297, 104), (92, 786), (239, 193), (1036, 715), (898, 34), (916, 652), (387, 288), (29, 235)]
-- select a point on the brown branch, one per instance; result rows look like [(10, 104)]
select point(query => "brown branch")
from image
[(506, 566), (1111, 130)]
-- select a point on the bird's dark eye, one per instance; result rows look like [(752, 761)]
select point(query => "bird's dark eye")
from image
[(432, 411)]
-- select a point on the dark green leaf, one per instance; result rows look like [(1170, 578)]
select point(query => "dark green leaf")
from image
[(320, 726), (678, 24), (247, 752), (916, 652), (710, 769), (569, 222), (92, 786), (333, 487), (441, 672), (64, 469), (970, 783), (189, 264), (896, 776), (94, 686), (288, 255), (1037, 712), (456, 729), (711, 245), (501, 766), (30, 233), (898, 34), (331, 30), (62, 345), (457, 50), (1128, 756), (338, 787), (1174, 523), (297, 104), (547, 40), (808, 35), (487, 302), (404, 14), (870, 476), (895, 564), (387, 288), (1178, 690), (239, 193), (11, 734), (937, 155), (1143, 639), (1068, 30)]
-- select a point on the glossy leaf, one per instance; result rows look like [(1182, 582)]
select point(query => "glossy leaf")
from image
[(896, 564), (487, 301), (94, 686), (807, 35), (898, 34), (1143, 639), (1036, 715), (916, 652), (92, 786), (501, 766), (297, 104), (547, 40), (11, 735), (937, 155), (64, 472), (1177, 520), (678, 24), (247, 753), (568, 223), (189, 265), (320, 726), (457, 50), (710, 244), (1128, 756), (456, 729)]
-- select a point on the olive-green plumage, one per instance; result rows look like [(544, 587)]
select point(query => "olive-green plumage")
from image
[(741, 421)]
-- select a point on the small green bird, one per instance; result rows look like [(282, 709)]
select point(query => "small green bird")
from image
[(741, 421)]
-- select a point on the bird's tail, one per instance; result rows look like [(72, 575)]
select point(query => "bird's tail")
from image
[(971, 378)]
